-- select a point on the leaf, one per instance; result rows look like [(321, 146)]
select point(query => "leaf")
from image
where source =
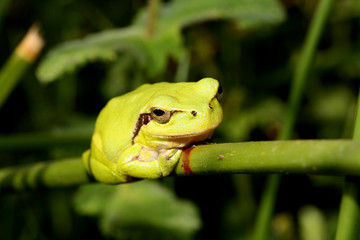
[(102, 46), (90, 199), (142, 210), (152, 53), (246, 13)]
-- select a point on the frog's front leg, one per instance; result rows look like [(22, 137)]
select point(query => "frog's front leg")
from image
[(168, 159), (142, 162)]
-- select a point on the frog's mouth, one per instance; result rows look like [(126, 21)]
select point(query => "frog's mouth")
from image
[(200, 134), (184, 140)]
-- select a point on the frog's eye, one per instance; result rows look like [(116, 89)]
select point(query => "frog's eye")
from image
[(160, 115), (219, 92)]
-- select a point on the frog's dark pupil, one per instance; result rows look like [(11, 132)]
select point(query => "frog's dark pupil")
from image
[(158, 112)]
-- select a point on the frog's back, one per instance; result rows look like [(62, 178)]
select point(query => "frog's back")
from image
[(116, 122)]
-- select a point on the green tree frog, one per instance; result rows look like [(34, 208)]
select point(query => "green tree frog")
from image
[(142, 134)]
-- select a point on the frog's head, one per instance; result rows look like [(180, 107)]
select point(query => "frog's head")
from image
[(180, 114)]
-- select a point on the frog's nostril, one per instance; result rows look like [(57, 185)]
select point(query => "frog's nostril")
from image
[(210, 106), (193, 113)]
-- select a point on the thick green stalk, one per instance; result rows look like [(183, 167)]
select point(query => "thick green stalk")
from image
[(322, 157), (301, 73), (69, 172), (24, 55), (349, 217)]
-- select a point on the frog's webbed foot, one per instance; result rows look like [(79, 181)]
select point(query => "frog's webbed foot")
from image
[(142, 162)]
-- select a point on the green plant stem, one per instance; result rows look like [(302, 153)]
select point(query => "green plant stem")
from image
[(42, 140), (153, 8), (349, 216), (50, 174), (303, 67), (321, 157), (266, 206), (348, 223), (301, 73), (356, 134), (23, 56), (183, 67), (10, 74)]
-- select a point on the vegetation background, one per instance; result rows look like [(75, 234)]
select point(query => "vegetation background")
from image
[(96, 50)]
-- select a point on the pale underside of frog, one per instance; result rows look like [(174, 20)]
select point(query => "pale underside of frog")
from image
[(142, 134)]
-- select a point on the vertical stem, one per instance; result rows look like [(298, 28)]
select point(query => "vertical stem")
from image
[(266, 208), (356, 134), (182, 70), (348, 223), (349, 217), (301, 73), (303, 67), (10, 75), (153, 7), (25, 54)]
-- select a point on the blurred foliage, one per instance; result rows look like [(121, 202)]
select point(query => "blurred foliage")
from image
[(312, 223), (152, 50), (250, 46), (142, 210)]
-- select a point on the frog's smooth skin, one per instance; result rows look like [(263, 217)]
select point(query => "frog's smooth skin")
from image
[(142, 134)]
